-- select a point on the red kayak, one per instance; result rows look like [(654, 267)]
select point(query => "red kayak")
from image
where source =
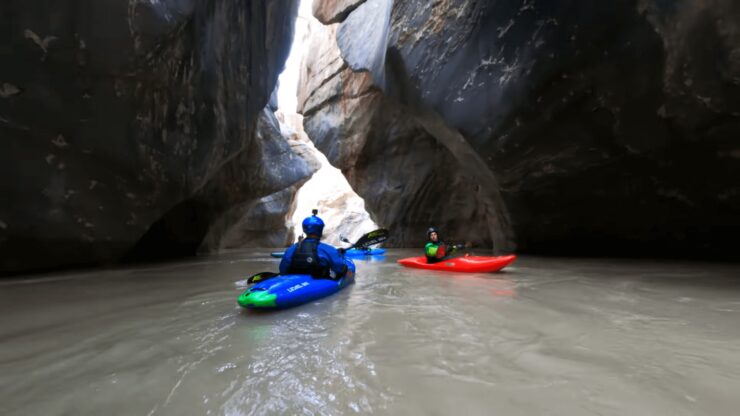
[(470, 264)]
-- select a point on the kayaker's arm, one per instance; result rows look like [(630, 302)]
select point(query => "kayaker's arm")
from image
[(451, 248), (336, 261)]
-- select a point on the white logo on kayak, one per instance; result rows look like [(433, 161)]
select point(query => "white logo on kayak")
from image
[(298, 286)]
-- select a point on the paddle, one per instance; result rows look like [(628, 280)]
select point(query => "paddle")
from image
[(456, 248), (460, 247), (345, 240), (260, 277), (367, 240), (372, 238)]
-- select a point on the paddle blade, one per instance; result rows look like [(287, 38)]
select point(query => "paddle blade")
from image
[(259, 277), (372, 238)]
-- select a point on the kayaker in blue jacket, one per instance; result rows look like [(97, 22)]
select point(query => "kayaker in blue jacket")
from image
[(310, 256), (436, 250)]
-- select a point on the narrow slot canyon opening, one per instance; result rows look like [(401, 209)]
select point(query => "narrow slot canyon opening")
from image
[(341, 208)]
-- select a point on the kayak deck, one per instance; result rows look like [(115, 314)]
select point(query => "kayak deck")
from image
[(470, 264), (290, 290)]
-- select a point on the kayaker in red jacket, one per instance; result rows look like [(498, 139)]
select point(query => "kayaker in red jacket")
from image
[(436, 250)]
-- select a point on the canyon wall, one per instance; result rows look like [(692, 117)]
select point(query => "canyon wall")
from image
[(558, 127), (127, 127)]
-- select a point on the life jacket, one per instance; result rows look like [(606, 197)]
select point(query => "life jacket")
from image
[(441, 253), (305, 260)]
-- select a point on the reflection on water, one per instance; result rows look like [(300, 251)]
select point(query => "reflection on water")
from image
[(546, 336)]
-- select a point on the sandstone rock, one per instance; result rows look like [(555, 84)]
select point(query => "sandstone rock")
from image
[(387, 156), (364, 38), (122, 113), (328, 191), (275, 220), (597, 127), (291, 127), (332, 11)]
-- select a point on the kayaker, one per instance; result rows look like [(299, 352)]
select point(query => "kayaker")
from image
[(436, 250), (310, 256)]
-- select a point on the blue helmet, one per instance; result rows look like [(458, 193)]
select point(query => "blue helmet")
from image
[(313, 224)]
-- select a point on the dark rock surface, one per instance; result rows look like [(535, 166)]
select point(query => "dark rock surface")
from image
[(596, 127), (265, 222), (221, 213), (260, 223), (118, 117)]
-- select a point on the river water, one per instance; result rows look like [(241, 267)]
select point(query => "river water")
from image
[(547, 336)]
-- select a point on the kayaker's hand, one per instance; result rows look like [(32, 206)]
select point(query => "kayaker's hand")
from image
[(342, 251)]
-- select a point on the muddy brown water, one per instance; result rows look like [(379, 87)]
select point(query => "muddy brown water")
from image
[(547, 336)]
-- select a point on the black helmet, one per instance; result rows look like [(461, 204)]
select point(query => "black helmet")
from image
[(431, 230)]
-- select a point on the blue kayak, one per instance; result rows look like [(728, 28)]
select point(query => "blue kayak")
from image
[(358, 252), (353, 252), (292, 290)]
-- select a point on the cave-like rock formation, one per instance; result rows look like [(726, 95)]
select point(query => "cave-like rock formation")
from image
[(578, 127), (328, 191), (128, 127), (265, 222), (387, 156)]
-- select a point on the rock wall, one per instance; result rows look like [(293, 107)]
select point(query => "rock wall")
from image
[(118, 118), (260, 223), (328, 191), (333, 11), (387, 156), (267, 222), (581, 127), (241, 206)]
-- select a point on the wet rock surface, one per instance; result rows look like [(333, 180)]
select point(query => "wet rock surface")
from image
[(388, 157), (117, 117), (599, 128), (266, 222), (241, 206), (260, 223), (332, 11)]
